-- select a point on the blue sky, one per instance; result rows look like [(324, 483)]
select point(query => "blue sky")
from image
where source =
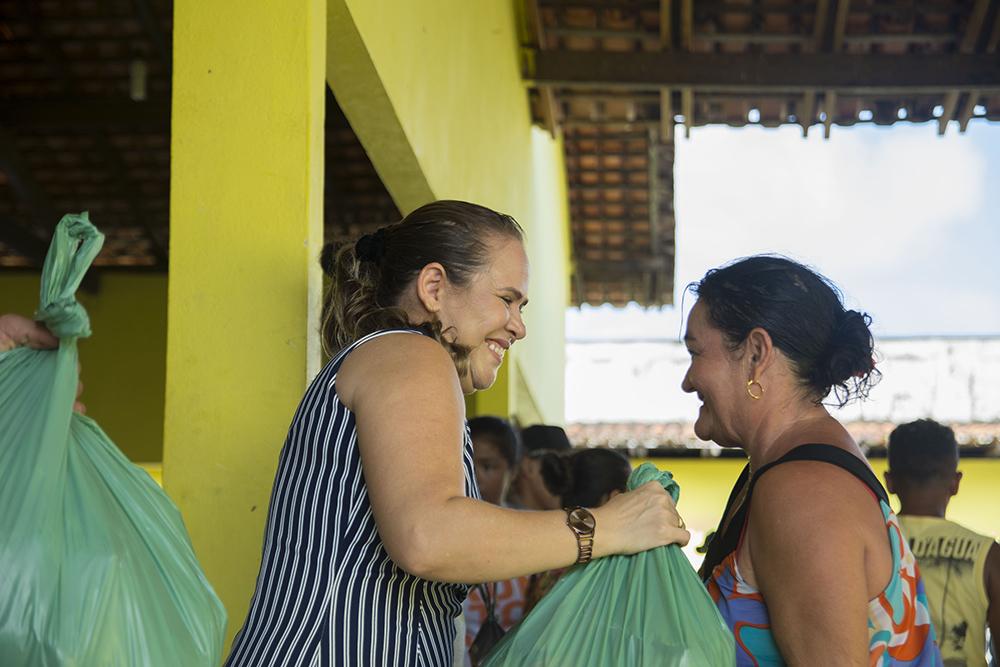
[(907, 223)]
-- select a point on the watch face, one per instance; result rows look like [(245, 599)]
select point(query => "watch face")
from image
[(582, 520)]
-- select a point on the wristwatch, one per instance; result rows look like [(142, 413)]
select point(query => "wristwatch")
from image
[(583, 525)]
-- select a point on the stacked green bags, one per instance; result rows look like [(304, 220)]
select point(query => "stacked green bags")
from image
[(96, 568), (649, 609)]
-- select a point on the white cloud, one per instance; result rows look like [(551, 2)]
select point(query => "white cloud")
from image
[(845, 204), (899, 218)]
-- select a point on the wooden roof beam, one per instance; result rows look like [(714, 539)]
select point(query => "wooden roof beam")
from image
[(666, 25), (666, 44), (835, 40), (968, 45), (547, 97), (808, 111), (687, 108), (974, 27), (994, 39), (819, 25), (666, 115), (761, 73), (687, 24), (840, 25), (948, 110), (161, 43), (830, 109), (78, 113)]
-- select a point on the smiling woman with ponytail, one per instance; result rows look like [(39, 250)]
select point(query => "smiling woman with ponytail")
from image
[(375, 529)]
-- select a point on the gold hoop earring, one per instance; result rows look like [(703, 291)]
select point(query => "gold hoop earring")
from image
[(750, 383)]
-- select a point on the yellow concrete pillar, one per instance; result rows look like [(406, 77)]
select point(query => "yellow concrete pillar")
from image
[(246, 207)]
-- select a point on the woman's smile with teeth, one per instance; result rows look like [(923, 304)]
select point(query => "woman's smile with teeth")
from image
[(495, 348)]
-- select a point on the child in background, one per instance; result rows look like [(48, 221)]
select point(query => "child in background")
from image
[(496, 452)]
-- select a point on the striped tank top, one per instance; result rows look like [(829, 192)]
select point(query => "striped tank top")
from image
[(327, 592), (899, 624)]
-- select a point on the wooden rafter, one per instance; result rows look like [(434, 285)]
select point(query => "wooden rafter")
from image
[(970, 39), (70, 113), (687, 24), (948, 106), (819, 25), (808, 111), (846, 74), (151, 26), (830, 109), (840, 25), (547, 97), (687, 108)]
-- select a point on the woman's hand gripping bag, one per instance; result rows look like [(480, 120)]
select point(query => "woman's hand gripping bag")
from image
[(96, 568), (647, 610)]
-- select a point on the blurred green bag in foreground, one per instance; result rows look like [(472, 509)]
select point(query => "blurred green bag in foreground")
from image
[(96, 568), (649, 609)]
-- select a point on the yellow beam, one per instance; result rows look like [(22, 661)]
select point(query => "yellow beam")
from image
[(246, 206)]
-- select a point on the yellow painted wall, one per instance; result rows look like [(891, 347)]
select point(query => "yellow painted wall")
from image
[(706, 483), (443, 77), (246, 206), (123, 361)]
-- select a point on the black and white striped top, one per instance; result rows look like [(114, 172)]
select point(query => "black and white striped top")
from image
[(327, 592)]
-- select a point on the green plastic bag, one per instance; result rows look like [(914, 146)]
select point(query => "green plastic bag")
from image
[(623, 611), (96, 568)]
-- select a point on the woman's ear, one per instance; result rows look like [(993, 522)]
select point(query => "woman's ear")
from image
[(431, 282), (759, 352)]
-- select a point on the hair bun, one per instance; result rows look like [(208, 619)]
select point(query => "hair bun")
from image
[(328, 258), (557, 472), (371, 247), (850, 355)]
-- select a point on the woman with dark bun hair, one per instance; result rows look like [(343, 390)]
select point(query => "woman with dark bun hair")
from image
[(808, 565), (587, 477), (576, 477), (375, 528)]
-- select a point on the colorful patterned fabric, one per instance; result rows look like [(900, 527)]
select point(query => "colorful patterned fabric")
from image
[(900, 633), (899, 626)]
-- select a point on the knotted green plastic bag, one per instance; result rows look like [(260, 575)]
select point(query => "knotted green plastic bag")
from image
[(649, 609), (96, 568)]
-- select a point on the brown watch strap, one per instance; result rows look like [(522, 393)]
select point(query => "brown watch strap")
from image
[(584, 538)]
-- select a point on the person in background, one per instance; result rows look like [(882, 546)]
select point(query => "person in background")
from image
[(586, 477), (496, 452), (806, 566), (961, 568), (528, 489), (581, 477), (545, 436)]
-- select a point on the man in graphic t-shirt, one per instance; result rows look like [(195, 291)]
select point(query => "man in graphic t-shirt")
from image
[(960, 568)]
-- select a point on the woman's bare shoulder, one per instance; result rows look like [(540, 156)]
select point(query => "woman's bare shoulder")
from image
[(403, 358)]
